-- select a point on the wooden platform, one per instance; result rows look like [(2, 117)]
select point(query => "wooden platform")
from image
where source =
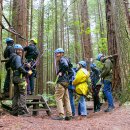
[(34, 104)]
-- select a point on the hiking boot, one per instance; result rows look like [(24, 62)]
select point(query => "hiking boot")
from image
[(32, 93), (97, 110), (58, 118), (73, 114), (67, 118), (29, 92), (109, 109)]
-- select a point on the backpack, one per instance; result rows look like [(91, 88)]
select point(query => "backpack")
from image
[(11, 60), (32, 52), (8, 51)]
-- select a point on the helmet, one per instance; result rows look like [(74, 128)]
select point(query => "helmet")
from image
[(18, 46), (93, 65), (9, 40), (34, 40), (59, 50), (99, 56), (83, 63)]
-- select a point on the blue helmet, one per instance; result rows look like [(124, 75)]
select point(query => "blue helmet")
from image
[(83, 63), (18, 46), (99, 56), (93, 65), (59, 50), (9, 40)]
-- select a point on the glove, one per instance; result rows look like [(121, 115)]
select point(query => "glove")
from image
[(30, 72)]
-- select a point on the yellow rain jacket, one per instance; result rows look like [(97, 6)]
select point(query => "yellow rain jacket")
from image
[(80, 81)]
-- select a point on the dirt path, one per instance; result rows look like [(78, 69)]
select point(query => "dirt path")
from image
[(119, 119)]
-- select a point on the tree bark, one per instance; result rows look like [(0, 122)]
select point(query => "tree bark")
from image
[(75, 29), (56, 26), (122, 37), (112, 45), (19, 20), (1, 8), (86, 38), (40, 45), (31, 19), (127, 9)]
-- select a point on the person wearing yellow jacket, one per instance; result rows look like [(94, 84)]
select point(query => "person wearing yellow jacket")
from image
[(80, 82)]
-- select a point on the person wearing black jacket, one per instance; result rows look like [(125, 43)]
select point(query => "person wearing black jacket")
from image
[(61, 92), (19, 100), (95, 78), (31, 56), (7, 52)]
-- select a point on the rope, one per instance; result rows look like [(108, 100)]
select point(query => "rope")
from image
[(11, 29)]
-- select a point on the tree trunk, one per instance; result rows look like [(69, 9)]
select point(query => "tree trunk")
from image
[(123, 40), (101, 19), (112, 45), (31, 19), (62, 25), (127, 9), (56, 26), (40, 44), (75, 34), (1, 8), (19, 20), (86, 39)]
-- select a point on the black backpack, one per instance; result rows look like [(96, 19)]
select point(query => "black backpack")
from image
[(32, 52)]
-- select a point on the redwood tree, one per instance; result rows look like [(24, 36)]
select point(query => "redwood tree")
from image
[(86, 39), (19, 20), (40, 45), (112, 44)]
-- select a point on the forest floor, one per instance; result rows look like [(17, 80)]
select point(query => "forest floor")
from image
[(119, 119)]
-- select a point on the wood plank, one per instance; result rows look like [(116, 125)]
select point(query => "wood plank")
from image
[(40, 109), (32, 97), (32, 103)]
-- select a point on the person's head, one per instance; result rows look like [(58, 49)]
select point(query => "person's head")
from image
[(100, 57), (59, 52), (18, 49), (9, 41), (81, 64), (33, 41)]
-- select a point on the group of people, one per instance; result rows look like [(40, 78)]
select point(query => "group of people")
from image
[(23, 73), (70, 80), (75, 80)]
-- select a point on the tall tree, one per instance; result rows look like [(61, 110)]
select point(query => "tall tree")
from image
[(62, 25), (127, 9), (123, 40), (19, 19), (40, 45), (56, 26), (31, 18), (0, 40), (86, 39), (112, 43), (75, 29), (100, 12)]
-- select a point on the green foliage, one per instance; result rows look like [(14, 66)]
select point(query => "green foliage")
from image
[(50, 99), (88, 30), (102, 45)]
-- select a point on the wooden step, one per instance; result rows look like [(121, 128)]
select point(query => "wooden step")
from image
[(40, 109), (33, 103), (33, 97)]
